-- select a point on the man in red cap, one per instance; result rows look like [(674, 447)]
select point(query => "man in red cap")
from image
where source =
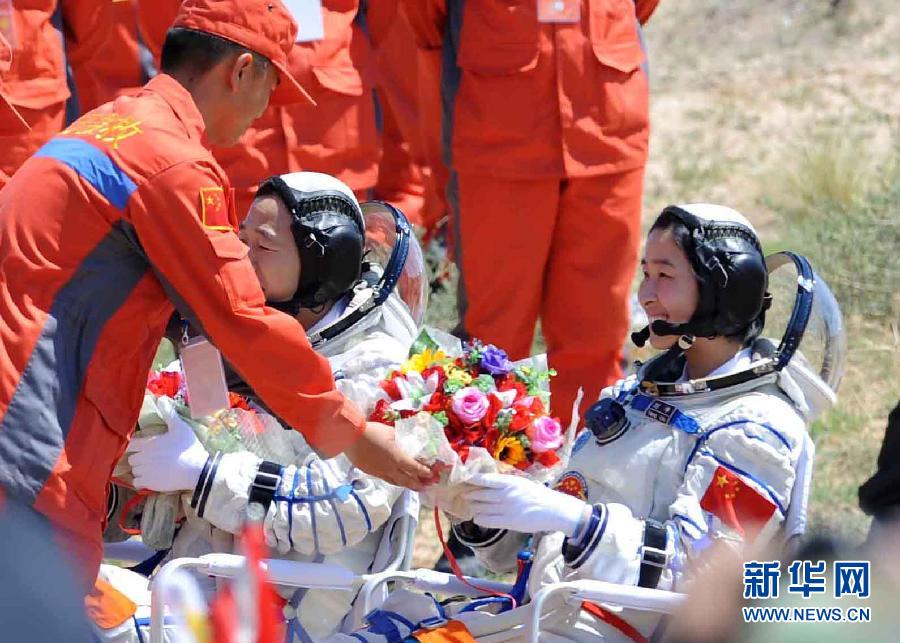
[(122, 215)]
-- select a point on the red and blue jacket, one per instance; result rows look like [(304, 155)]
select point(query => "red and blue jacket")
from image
[(122, 215)]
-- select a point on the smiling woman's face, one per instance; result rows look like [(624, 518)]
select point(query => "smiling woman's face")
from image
[(273, 252), (669, 290)]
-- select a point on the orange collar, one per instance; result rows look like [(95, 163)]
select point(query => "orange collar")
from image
[(181, 102)]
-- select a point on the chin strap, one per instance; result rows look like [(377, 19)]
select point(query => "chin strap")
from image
[(664, 328), (659, 366)]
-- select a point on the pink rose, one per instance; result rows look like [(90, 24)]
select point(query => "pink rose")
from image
[(545, 434), (469, 404)]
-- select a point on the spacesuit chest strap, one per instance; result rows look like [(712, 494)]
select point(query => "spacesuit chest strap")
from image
[(660, 411)]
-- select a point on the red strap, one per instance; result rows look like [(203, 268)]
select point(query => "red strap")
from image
[(131, 503), (454, 565), (613, 621)]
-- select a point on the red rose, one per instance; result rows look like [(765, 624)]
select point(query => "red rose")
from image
[(547, 458), (463, 452), (166, 383), (436, 370), (382, 413), (389, 386), (506, 382), (438, 402), (453, 430), (454, 421), (490, 439), (495, 406), (526, 410), (523, 465), (236, 401), (473, 434)]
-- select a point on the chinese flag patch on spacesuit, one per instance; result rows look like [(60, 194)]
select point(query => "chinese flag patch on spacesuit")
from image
[(736, 504), (214, 209)]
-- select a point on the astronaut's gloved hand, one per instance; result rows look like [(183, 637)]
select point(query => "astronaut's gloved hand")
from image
[(519, 504), (171, 461)]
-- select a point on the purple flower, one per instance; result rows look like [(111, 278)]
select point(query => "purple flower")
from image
[(495, 361)]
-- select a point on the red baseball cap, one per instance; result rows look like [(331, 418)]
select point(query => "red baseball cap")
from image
[(263, 26), (10, 118)]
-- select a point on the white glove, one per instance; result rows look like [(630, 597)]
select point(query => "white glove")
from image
[(171, 461), (520, 504)]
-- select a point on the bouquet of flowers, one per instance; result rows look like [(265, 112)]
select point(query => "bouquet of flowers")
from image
[(468, 409), (241, 427)]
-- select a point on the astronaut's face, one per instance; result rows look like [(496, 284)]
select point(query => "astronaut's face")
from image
[(273, 251), (669, 290)]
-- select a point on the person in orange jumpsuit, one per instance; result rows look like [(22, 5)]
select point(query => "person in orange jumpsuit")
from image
[(109, 224), (11, 121), (401, 171), (546, 121), (118, 66), (336, 136), (36, 81)]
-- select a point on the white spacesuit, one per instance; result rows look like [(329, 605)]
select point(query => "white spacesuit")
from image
[(667, 465), (323, 510)]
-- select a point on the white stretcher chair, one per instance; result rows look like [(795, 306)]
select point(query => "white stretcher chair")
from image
[(527, 621)]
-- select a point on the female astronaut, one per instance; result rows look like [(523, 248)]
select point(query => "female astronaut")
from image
[(702, 444)]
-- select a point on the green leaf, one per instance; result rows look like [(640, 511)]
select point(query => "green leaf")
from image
[(484, 383), (423, 341)]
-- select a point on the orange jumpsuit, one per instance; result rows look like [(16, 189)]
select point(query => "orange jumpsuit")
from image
[(108, 224), (117, 66), (337, 136), (36, 81), (11, 122), (402, 172), (547, 129)]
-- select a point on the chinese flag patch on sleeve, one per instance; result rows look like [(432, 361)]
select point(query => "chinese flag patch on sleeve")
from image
[(736, 504), (214, 209)]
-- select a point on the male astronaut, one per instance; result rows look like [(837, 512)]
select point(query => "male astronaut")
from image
[(363, 317), (702, 444)]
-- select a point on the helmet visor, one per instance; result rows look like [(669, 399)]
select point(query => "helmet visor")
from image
[(391, 245), (805, 319)]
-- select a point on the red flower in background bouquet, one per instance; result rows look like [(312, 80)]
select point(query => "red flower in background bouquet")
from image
[(469, 409)]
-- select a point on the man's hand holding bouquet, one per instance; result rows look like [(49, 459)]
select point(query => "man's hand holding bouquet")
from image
[(467, 410)]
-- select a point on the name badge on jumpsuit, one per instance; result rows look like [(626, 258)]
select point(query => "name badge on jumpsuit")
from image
[(558, 11), (308, 16)]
